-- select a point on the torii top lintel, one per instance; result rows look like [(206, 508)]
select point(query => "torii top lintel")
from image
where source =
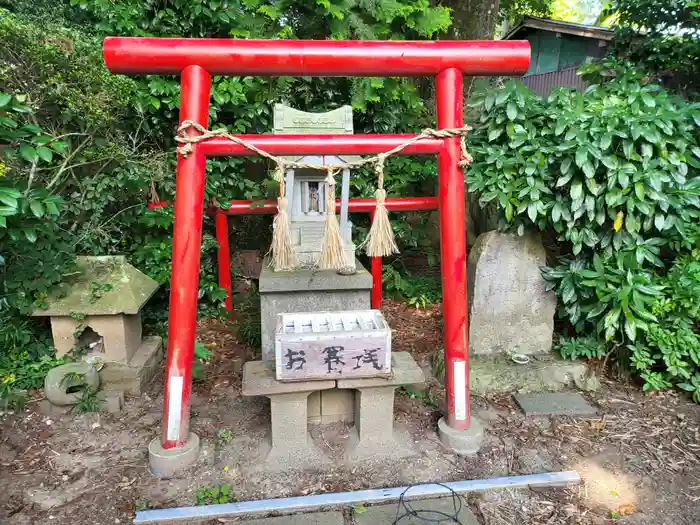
[(169, 56)]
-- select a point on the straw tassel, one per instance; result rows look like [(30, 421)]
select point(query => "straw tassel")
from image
[(332, 252), (380, 240), (283, 257)]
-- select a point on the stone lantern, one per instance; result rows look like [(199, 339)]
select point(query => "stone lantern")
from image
[(98, 314)]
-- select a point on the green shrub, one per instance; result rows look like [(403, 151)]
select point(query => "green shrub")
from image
[(612, 169), (581, 348), (414, 290)]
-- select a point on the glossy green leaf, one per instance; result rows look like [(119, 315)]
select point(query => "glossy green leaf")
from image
[(512, 110), (37, 208), (576, 190), (28, 153), (44, 153), (581, 156)]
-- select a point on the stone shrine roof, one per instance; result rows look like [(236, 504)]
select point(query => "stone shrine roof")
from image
[(288, 120), (106, 285)]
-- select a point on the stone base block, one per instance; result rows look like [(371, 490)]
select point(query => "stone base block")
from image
[(373, 434), (133, 377), (463, 442), (308, 290), (427, 511), (542, 374), (167, 462), (337, 405)]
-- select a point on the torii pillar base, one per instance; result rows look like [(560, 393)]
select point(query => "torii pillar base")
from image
[(463, 442), (166, 462)]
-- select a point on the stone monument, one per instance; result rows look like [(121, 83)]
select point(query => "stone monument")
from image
[(511, 319), (100, 315), (306, 189)]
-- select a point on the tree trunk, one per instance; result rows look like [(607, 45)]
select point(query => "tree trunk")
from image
[(473, 19)]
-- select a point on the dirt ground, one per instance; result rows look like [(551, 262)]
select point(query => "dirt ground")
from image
[(639, 459)]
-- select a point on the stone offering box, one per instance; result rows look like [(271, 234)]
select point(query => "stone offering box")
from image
[(99, 310), (332, 345)]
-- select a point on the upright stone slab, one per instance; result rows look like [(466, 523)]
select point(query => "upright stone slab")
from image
[(509, 309)]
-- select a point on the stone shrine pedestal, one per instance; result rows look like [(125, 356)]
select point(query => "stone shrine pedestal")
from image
[(312, 290)]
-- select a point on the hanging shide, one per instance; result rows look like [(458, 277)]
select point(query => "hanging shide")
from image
[(332, 252), (282, 255)]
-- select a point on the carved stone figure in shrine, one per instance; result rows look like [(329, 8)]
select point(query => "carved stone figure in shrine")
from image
[(307, 189)]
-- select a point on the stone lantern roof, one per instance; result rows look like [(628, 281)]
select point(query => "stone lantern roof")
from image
[(106, 285)]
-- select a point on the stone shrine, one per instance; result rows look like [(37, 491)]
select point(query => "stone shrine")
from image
[(307, 190)]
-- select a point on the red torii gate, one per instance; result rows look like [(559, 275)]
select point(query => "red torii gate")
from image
[(196, 60)]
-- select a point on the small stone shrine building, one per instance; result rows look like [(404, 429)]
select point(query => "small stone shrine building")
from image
[(306, 189)]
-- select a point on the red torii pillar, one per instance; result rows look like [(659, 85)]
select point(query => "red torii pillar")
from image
[(196, 60)]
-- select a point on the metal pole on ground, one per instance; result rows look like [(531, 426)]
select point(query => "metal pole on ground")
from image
[(177, 447), (458, 430), (345, 499)]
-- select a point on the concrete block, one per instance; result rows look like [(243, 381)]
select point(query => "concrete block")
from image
[(259, 380), (62, 329), (463, 442), (134, 376), (122, 334), (373, 434), (315, 518), (337, 405), (290, 445), (428, 511), (111, 401), (308, 290), (554, 404), (542, 374), (168, 462)]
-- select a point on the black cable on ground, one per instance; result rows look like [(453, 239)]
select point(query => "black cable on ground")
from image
[(404, 509)]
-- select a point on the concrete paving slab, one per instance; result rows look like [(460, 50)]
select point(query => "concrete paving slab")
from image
[(555, 404), (316, 518), (428, 511)]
